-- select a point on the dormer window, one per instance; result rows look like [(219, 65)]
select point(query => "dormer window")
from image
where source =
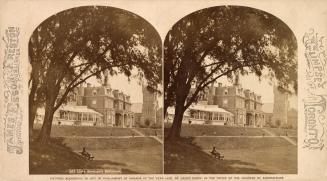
[(94, 92), (226, 92), (108, 91)]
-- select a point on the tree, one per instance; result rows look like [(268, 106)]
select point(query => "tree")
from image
[(221, 42), (70, 47)]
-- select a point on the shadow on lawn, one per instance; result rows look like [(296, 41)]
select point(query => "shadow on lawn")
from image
[(57, 158), (183, 156)]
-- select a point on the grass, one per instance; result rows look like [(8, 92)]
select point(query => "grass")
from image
[(64, 130), (185, 157), (54, 159), (150, 131), (131, 155), (90, 131), (182, 157), (145, 160), (243, 155), (108, 143), (294, 139), (239, 143), (276, 160), (216, 130), (282, 131)]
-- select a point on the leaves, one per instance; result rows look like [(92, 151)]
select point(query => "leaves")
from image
[(76, 44), (220, 41)]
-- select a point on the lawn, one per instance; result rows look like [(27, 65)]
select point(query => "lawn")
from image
[(243, 154), (279, 159), (64, 130), (182, 157), (215, 130), (108, 143), (283, 132), (187, 158), (150, 131), (206, 143), (90, 131), (131, 155), (145, 160)]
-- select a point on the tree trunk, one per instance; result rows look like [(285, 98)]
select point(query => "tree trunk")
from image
[(51, 97), (175, 129), (32, 113), (165, 110), (44, 136), (32, 107)]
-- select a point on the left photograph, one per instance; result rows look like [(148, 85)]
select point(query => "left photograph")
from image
[(95, 94)]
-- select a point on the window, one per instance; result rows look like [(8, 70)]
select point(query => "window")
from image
[(221, 117), (225, 101), (215, 116), (108, 92), (210, 116), (63, 115), (226, 92), (94, 92), (94, 102), (85, 117)]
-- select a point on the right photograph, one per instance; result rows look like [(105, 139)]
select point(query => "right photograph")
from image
[(230, 93)]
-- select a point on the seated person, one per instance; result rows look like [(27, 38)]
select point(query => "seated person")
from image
[(215, 153), (86, 154)]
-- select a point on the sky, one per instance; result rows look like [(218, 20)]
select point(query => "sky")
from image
[(134, 89), (173, 13), (130, 87), (262, 87)]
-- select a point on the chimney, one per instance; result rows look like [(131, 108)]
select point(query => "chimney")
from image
[(237, 79), (88, 85), (106, 78), (220, 84)]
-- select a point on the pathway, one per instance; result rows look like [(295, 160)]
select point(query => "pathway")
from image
[(285, 137), (141, 134)]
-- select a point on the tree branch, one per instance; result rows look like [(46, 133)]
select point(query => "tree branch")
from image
[(73, 85)]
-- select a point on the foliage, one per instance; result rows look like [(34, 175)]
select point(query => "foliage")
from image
[(225, 41), (71, 46)]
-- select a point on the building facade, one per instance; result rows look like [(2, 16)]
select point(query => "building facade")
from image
[(114, 105), (149, 108), (283, 114), (72, 115), (243, 103), (267, 108), (203, 114)]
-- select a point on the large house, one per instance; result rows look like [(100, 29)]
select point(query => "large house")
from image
[(72, 115), (244, 104), (114, 105), (203, 114), (94, 106), (227, 105)]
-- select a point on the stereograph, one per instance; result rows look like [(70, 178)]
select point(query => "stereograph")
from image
[(163, 90)]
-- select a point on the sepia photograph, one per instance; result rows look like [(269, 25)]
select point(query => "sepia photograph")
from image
[(163, 90), (230, 93), (94, 92)]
